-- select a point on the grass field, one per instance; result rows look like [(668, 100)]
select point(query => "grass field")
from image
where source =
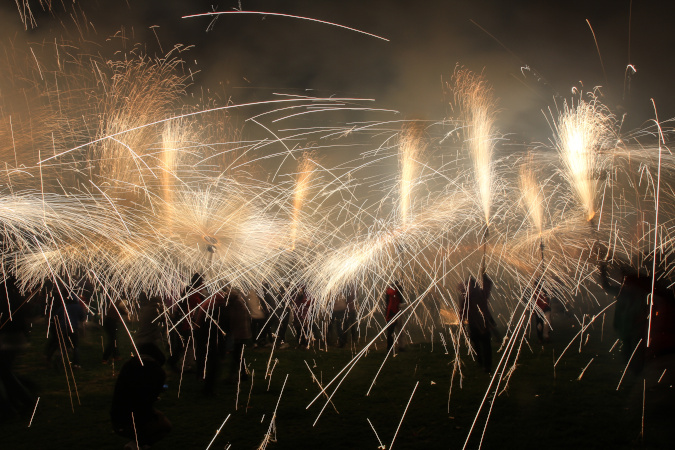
[(541, 407)]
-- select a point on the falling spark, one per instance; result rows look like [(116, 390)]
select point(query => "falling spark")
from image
[(662, 374), (218, 431), (628, 363), (289, 16), (403, 416), (316, 380), (584, 369), (656, 227), (33, 415), (133, 422), (644, 402), (268, 435), (381, 446)]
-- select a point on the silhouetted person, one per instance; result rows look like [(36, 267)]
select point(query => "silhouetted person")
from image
[(541, 303), (281, 315), (238, 323), (302, 303), (632, 312), (149, 323), (338, 319), (65, 326), (178, 339), (138, 386), (15, 396), (111, 322), (259, 316), (475, 312), (393, 298), (351, 316), (210, 338), (182, 313)]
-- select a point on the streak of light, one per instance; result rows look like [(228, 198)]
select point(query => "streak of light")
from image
[(288, 16)]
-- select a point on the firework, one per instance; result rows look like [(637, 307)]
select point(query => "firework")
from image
[(582, 130), (410, 148), (533, 199), (302, 184), (475, 98)]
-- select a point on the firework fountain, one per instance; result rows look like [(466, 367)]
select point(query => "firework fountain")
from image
[(409, 152), (582, 131), (533, 200), (302, 186), (475, 99)]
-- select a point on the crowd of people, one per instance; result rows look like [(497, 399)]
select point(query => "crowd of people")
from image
[(202, 328), (194, 333)]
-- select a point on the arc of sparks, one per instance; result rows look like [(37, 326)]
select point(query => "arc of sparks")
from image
[(291, 16), (533, 200), (194, 113)]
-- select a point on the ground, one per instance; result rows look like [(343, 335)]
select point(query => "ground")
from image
[(542, 407)]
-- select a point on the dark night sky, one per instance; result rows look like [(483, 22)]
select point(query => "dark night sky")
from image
[(249, 57)]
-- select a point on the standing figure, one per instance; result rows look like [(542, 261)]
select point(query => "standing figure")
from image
[(238, 327), (351, 316), (138, 386), (301, 305), (178, 340), (210, 338), (149, 326), (183, 313), (15, 397), (65, 327), (338, 319), (475, 313), (258, 310), (542, 314), (393, 298), (632, 320), (281, 314), (111, 321)]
